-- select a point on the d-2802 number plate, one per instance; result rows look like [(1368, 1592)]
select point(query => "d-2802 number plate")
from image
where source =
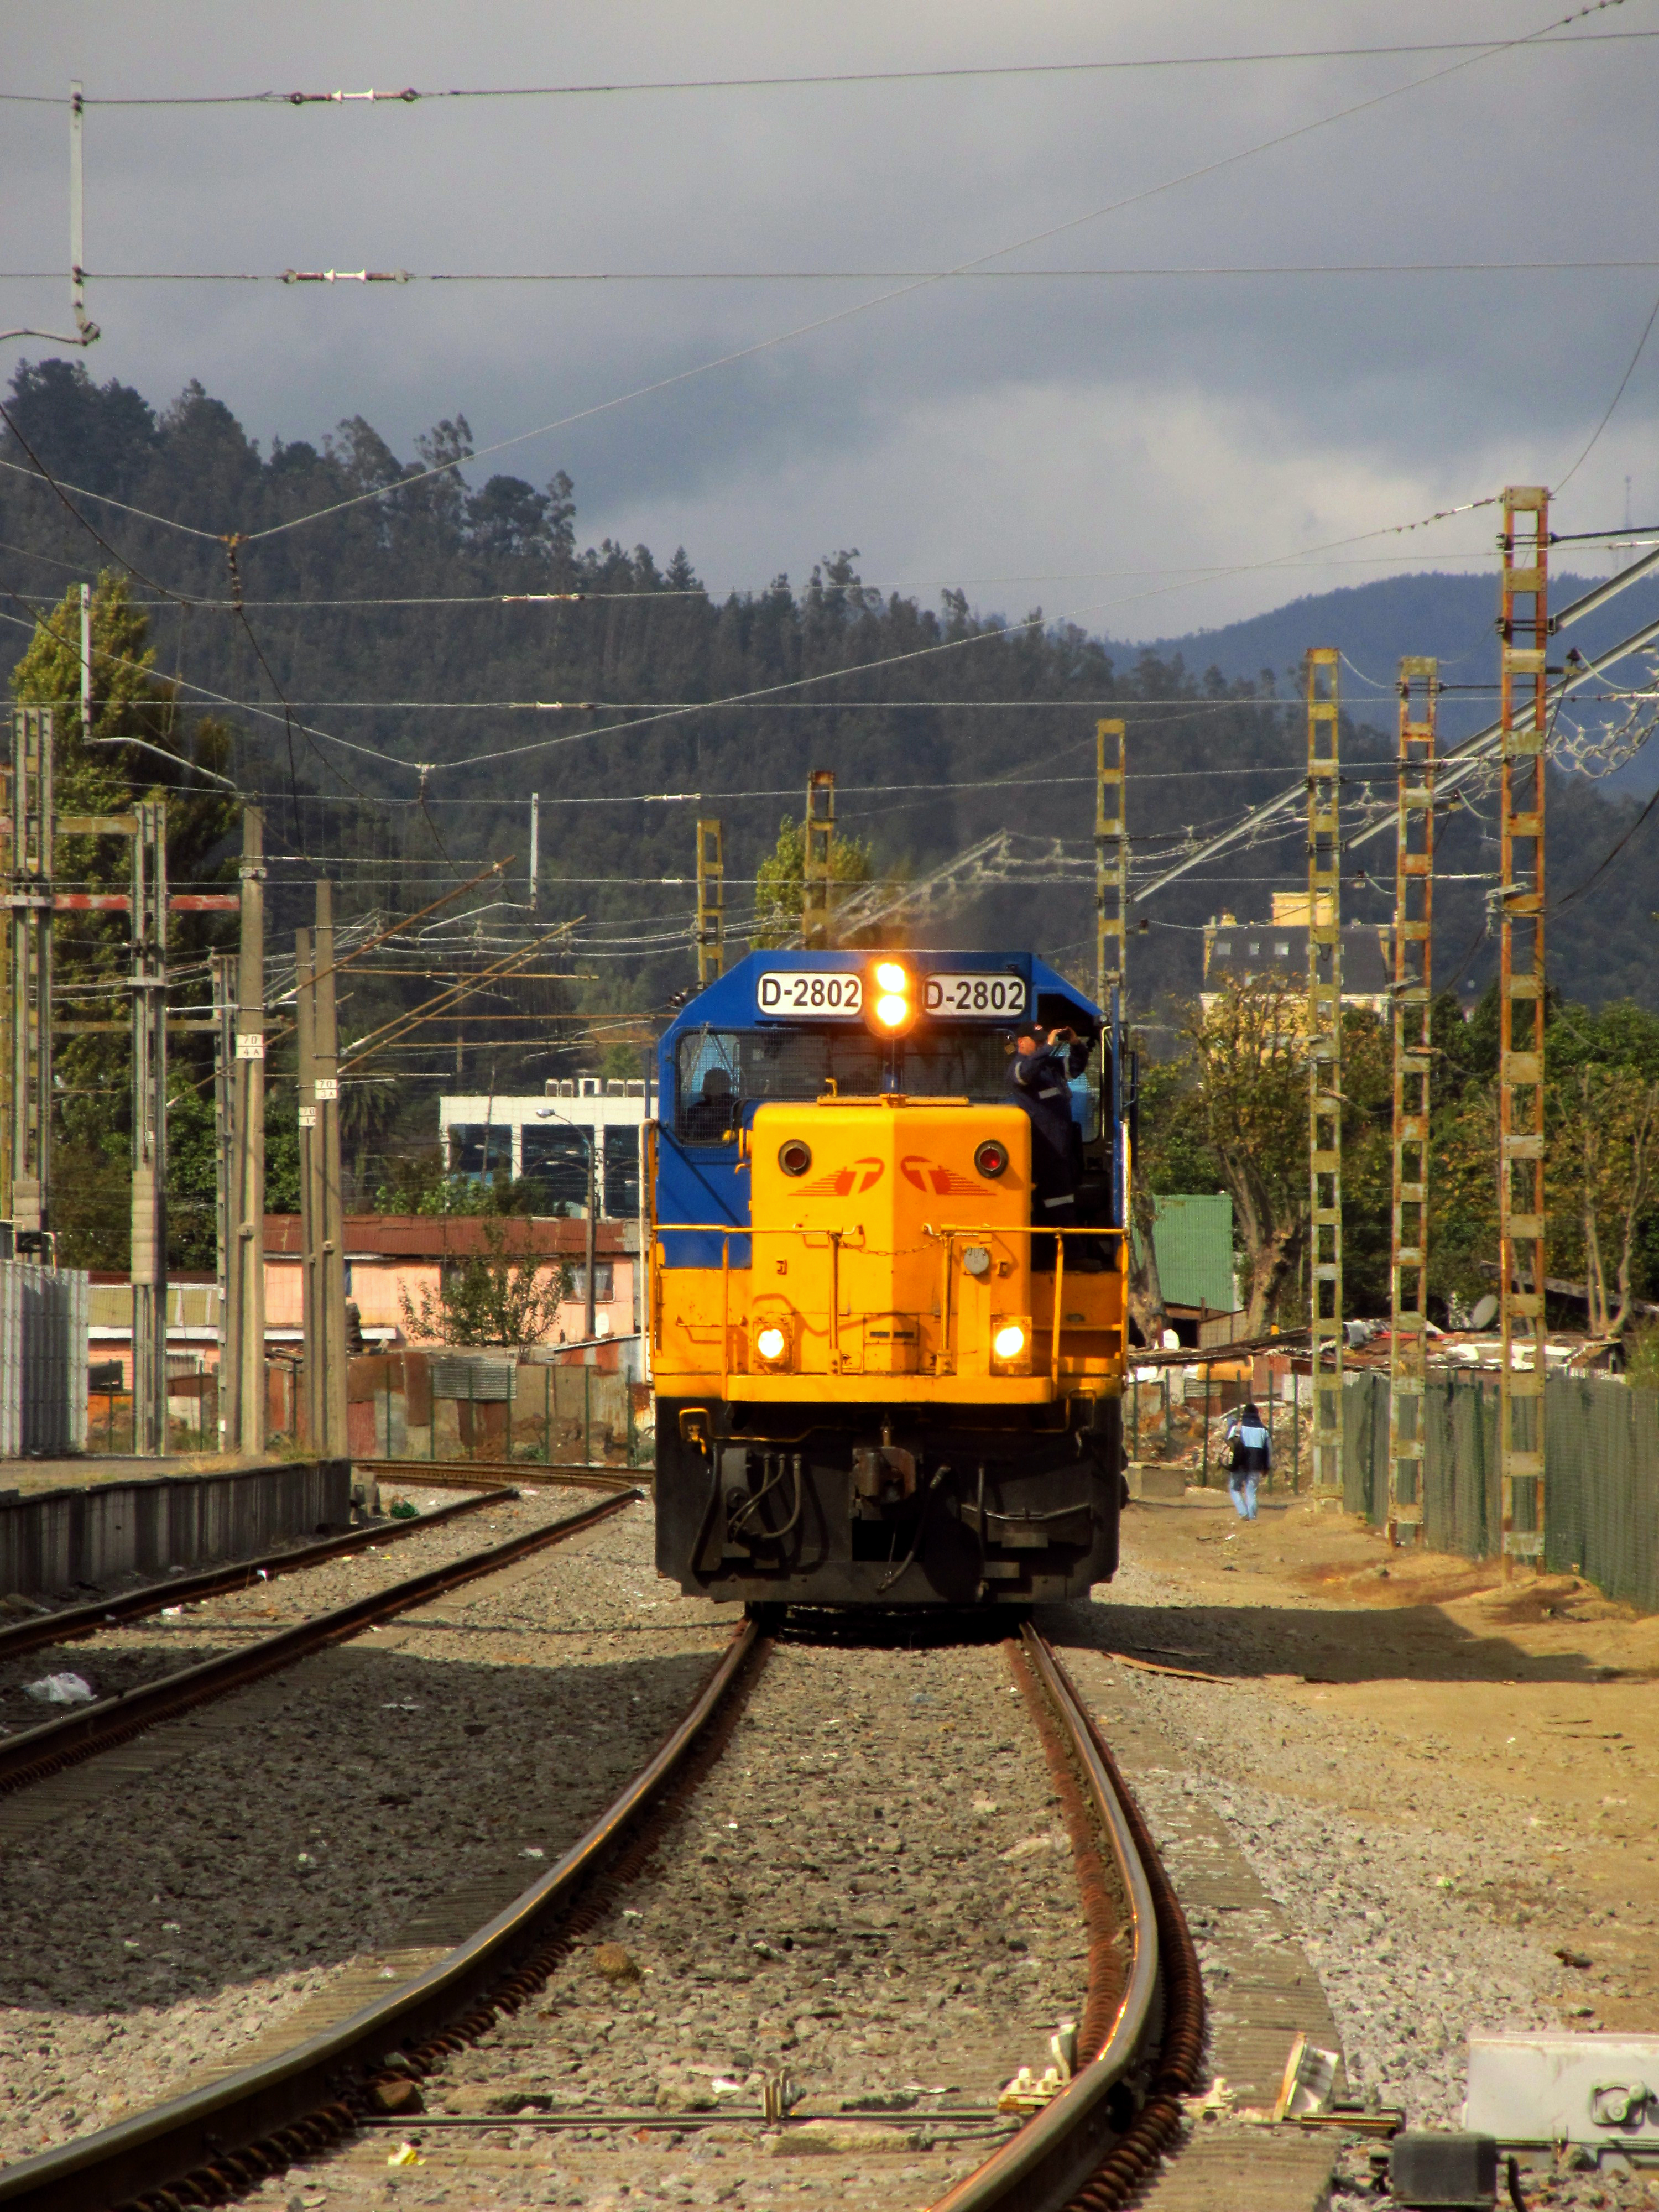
[(992, 998), (813, 995)]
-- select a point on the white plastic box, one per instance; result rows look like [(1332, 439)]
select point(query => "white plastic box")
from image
[(1541, 2089)]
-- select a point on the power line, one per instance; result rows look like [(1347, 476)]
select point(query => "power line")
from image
[(1641, 342), (787, 706), (410, 95), (1215, 168), (1196, 573), (296, 276), (167, 521)]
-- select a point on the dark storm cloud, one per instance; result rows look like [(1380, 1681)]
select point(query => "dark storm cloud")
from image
[(979, 429)]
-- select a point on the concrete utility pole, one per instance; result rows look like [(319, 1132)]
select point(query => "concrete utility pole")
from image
[(239, 1070), (592, 1240), (247, 1267), (29, 959), (331, 1256), (1325, 1068), (1409, 1272), (149, 985), (304, 1026), (1523, 728), (221, 967)]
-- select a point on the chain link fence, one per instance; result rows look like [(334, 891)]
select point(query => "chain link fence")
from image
[(1602, 1454)]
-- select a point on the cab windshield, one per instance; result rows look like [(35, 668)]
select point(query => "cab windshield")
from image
[(719, 1072)]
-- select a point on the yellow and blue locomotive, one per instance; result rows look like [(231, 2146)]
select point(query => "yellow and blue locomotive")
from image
[(880, 1381)]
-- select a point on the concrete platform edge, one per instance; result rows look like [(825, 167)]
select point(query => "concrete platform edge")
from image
[(56, 1540)]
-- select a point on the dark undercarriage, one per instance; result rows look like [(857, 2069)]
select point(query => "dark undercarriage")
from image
[(901, 1505)]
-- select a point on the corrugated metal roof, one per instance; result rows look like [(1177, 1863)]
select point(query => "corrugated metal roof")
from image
[(1194, 1235)]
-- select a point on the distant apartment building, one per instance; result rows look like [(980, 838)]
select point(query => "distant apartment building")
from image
[(543, 1139), (1241, 950)]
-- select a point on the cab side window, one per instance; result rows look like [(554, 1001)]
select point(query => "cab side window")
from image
[(708, 1086)]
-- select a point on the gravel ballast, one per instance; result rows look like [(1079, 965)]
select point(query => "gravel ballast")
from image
[(149, 1930), (872, 1894)]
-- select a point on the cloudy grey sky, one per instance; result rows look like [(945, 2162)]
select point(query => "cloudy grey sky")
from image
[(1092, 443)]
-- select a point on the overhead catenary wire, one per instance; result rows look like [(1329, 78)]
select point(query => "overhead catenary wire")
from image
[(1216, 167), (1624, 381), (409, 95), (1170, 272), (1470, 756), (718, 594)]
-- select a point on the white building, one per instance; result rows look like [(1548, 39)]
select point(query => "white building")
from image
[(546, 1140)]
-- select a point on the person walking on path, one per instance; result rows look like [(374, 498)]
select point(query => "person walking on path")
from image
[(1251, 1458)]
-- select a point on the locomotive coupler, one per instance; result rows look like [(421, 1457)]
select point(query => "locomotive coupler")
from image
[(884, 1474)]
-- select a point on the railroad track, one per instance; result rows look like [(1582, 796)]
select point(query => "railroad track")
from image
[(67, 1624), (37, 1752), (1090, 2148)]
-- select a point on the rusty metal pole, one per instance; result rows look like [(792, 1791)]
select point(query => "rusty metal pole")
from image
[(1324, 1071), (817, 861), (711, 902), (1111, 865), (1524, 628), (1408, 1266)]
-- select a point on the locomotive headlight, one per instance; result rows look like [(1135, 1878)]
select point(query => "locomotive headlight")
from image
[(1009, 1341), (892, 1003), (772, 1343)]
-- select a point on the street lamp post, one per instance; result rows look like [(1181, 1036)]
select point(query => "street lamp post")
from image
[(588, 1136)]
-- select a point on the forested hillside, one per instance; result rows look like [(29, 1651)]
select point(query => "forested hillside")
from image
[(412, 736)]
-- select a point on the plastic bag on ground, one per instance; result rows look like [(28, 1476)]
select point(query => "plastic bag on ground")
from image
[(61, 1690)]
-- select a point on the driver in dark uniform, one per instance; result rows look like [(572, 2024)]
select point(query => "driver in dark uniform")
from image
[(710, 1116), (1039, 1077)]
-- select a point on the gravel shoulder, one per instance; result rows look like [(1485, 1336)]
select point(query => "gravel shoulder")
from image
[(163, 1906), (1445, 1782)]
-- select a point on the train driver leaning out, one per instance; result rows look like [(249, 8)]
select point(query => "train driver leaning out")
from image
[(1039, 1076)]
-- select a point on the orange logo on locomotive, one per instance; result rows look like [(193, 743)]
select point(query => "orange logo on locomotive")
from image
[(930, 1175), (862, 1175)]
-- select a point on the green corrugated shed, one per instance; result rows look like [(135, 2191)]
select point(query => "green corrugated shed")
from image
[(1194, 1235)]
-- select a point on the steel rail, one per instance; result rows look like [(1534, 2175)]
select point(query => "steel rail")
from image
[(1062, 2146), (217, 2140), (71, 1622), (38, 1752), (474, 1474)]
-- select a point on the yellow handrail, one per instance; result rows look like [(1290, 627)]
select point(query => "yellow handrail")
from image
[(953, 1229)]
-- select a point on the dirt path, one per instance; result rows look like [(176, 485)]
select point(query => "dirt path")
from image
[(1433, 1688)]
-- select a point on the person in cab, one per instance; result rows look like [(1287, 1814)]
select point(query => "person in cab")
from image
[(1039, 1077)]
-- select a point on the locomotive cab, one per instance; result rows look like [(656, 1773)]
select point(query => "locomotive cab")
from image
[(884, 1377)]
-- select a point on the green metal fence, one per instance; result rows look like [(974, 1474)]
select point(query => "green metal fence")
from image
[(1601, 1451)]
